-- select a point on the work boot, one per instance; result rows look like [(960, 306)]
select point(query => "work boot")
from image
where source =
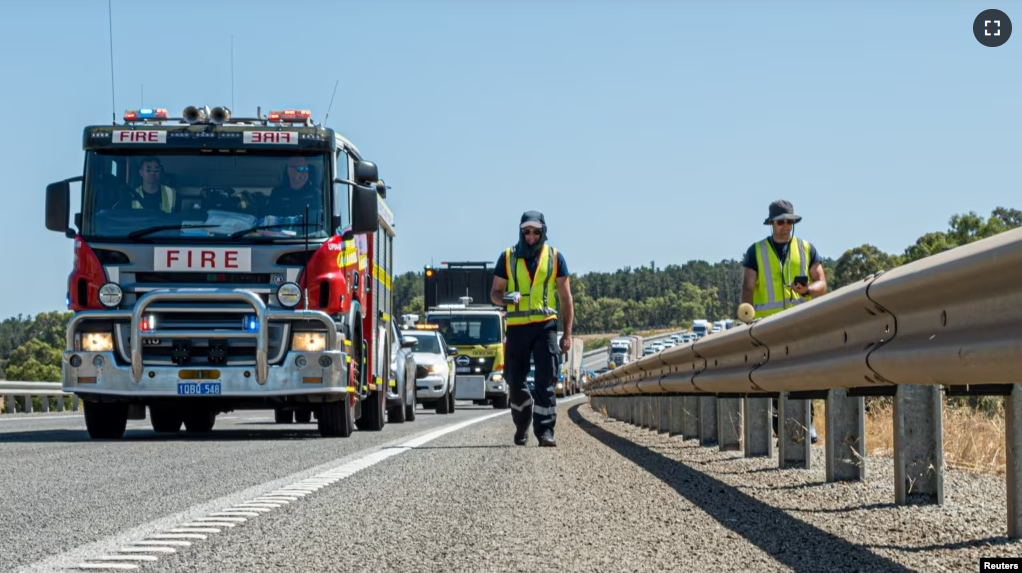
[(547, 441), (521, 437), (812, 434)]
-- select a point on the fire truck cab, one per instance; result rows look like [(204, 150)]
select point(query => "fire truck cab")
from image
[(224, 263)]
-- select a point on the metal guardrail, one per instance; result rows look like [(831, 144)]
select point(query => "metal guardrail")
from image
[(10, 390), (951, 322)]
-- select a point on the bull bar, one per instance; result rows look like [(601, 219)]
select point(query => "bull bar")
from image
[(338, 380)]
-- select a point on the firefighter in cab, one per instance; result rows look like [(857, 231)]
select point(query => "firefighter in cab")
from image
[(526, 280)]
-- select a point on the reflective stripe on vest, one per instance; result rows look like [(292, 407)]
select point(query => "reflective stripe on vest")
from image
[(532, 307), (773, 291), (166, 205)]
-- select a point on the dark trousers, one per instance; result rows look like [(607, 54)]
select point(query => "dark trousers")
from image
[(538, 342)]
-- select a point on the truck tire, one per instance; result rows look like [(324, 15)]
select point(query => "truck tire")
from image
[(500, 402), (396, 413), (454, 403), (106, 421), (303, 416), (372, 419), (199, 421), (410, 409), (165, 419), (336, 419), (443, 405), (282, 416)]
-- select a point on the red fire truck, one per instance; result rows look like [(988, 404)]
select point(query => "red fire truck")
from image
[(225, 263)]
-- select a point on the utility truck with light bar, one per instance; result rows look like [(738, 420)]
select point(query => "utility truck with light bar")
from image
[(226, 263)]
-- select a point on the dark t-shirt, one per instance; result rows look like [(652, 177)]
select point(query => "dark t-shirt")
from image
[(530, 264), (287, 202), (152, 201), (782, 253)]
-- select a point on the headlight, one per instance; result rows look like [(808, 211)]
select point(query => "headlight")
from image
[(308, 342), (110, 295), (436, 367), (289, 295), (97, 342), (498, 377)]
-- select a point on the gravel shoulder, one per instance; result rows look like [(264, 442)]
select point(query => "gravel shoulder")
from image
[(63, 490)]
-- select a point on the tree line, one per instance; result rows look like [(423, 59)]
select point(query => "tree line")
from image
[(641, 298), (647, 297)]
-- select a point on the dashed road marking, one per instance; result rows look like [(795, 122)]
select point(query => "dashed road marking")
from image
[(198, 528)]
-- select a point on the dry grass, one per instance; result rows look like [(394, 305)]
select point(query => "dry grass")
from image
[(642, 333), (973, 440)]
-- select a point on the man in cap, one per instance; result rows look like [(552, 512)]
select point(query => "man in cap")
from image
[(523, 281), (778, 277)]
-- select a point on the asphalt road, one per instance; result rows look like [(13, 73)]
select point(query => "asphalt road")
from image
[(62, 490)]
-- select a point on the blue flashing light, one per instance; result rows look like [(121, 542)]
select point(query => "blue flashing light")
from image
[(145, 113), (67, 300), (250, 323)]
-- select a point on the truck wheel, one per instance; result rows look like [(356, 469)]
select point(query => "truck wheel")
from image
[(199, 421), (106, 421), (282, 416), (165, 419), (453, 404), (303, 416), (336, 419), (500, 402), (372, 412)]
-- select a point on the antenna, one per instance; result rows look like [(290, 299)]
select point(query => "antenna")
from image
[(306, 270), (327, 116), (113, 102), (232, 71)]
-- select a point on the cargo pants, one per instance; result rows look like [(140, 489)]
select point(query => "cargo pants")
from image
[(539, 342)]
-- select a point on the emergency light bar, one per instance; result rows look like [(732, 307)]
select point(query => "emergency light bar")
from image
[(290, 116), (145, 113), (424, 327)]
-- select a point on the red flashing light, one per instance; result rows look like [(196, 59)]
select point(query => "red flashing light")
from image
[(146, 113), (290, 115)]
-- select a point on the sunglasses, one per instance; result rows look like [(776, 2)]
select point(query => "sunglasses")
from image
[(301, 169), (530, 231), (782, 223)]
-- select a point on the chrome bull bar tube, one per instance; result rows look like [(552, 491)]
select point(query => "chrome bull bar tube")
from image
[(261, 335), (331, 326)]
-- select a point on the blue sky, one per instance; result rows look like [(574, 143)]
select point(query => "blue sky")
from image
[(644, 130)]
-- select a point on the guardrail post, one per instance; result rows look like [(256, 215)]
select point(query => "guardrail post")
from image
[(707, 420), (845, 419), (9, 402), (677, 406), (664, 420), (690, 422), (793, 441), (44, 402), (757, 427), (918, 444), (649, 413), (634, 410), (27, 404), (1013, 459), (729, 424), (74, 403)]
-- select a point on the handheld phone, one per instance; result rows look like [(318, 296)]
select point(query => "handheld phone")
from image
[(509, 297), (802, 280)]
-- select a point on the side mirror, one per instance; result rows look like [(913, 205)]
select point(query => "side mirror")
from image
[(409, 342), (347, 235), (366, 172), (452, 351), (58, 206), (365, 214)]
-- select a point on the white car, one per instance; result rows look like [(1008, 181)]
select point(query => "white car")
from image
[(434, 370)]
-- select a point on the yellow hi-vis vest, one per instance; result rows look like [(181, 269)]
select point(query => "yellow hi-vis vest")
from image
[(535, 303), (166, 199), (773, 284)]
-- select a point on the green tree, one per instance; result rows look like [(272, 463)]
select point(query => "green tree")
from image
[(34, 361), (858, 263)]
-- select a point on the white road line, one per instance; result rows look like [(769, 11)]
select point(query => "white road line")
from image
[(201, 521)]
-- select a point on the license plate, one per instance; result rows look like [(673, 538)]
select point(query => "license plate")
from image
[(198, 388), (463, 369)]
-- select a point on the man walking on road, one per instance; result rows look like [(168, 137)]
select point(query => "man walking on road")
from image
[(778, 277), (523, 281)]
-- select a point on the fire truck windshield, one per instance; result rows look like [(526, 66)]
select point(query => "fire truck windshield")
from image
[(206, 195)]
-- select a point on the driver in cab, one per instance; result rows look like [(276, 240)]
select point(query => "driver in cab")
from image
[(151, 194), (290, 198)]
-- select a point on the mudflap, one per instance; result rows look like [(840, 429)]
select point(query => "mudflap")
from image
[(136, 412)]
